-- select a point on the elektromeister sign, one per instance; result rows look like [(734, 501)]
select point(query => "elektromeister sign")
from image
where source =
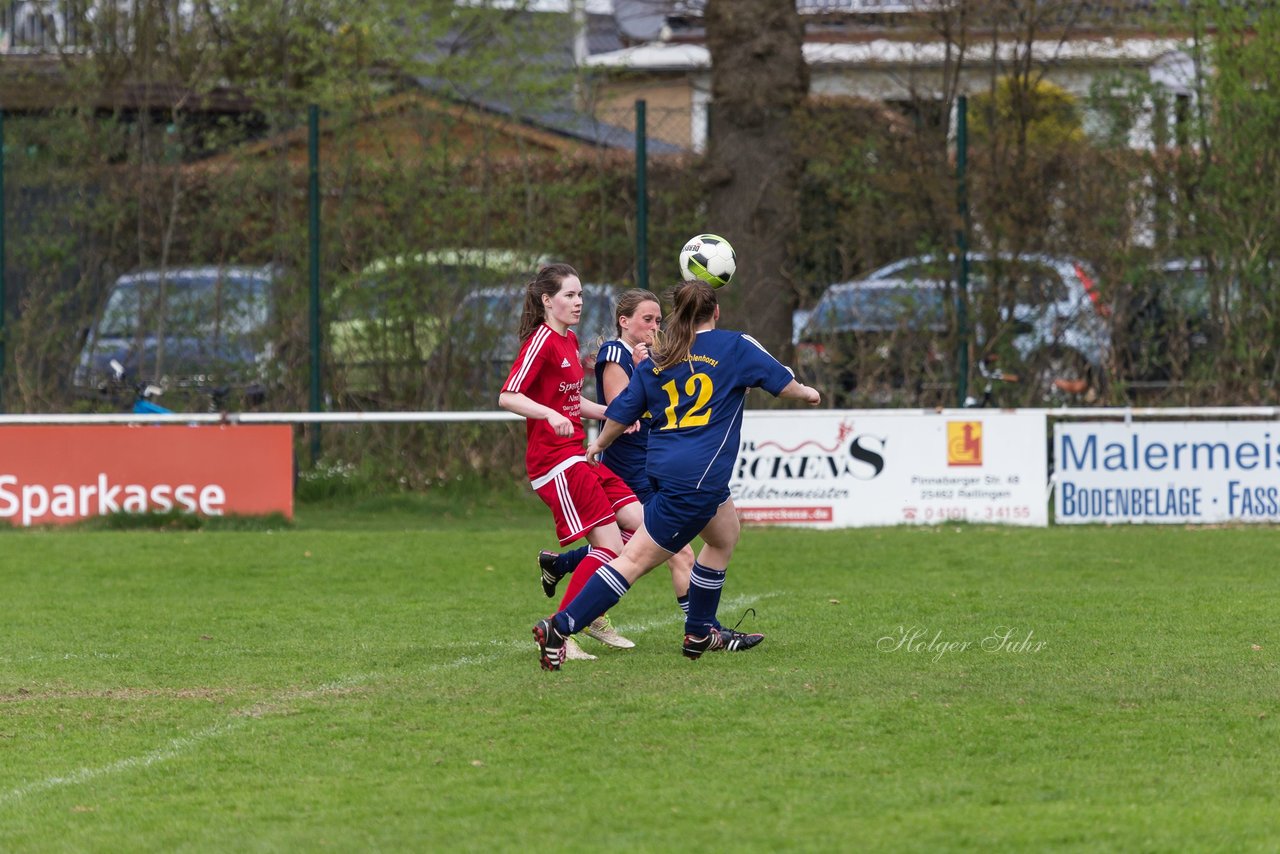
[(847, 469)]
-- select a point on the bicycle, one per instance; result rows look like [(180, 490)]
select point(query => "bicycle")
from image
[(146, 392), (991, 372)]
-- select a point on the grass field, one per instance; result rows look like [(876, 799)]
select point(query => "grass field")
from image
[(365, 680)]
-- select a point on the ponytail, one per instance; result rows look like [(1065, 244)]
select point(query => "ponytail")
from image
[(694, 303)]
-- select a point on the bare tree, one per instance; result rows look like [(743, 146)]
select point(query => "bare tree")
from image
[(759, 81)]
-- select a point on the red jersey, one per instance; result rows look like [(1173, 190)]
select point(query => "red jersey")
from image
[(548, 371)]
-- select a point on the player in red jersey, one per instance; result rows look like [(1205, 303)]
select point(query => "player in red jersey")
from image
[(545, 386)]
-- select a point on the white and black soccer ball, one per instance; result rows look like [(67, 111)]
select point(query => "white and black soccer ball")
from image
[(708, 258)]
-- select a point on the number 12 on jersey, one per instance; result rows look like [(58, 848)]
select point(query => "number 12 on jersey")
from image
[(694, 404)]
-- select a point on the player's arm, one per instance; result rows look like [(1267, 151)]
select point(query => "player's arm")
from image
[(609, 431), (796, 390), (772, 373), (521, 404), (615, 380), (591, 409), (622, 413)]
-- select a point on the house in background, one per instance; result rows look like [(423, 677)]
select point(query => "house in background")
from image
[(882, 50), (402, 126), (39, 37), (875, 50)]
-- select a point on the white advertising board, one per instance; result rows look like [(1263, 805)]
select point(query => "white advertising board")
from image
[(844, 469), (1167, 472)]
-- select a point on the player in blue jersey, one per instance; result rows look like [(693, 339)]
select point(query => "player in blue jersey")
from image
[(637, 316), (694, 384)]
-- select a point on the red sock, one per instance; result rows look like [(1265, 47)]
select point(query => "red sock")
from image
[(586, 568)]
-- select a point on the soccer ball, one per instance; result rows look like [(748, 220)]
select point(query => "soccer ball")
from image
[(709, 258)]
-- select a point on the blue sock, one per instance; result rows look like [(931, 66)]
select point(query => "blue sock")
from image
[(683, 603), (704, 599), (568, 562), (601, 592)]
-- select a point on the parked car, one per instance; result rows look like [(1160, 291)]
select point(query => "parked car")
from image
[(1167, 324), (387, 321), (891, 337), (439, 329), (434, 329), (480, 342), (187, 329)]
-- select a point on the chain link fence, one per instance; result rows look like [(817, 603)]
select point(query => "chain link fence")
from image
[(434, 211)]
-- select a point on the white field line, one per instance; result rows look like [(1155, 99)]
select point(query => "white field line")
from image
[(174, 748), (184, 744), (66, 656), (178, 746)]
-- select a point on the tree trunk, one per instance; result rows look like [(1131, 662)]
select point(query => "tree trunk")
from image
[(758, 82)]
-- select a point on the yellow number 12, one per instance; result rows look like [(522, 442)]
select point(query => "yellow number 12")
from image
[(698, 386)]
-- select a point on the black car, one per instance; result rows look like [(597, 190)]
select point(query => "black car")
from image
[(1167, 324), (187, 329)]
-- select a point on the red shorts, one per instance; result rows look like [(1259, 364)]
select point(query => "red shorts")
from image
[(581, 497)]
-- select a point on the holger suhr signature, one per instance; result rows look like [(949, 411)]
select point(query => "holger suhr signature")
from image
[(1004, 639)]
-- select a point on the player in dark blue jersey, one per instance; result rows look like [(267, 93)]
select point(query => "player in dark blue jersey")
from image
[(694, 385), (637, 316)]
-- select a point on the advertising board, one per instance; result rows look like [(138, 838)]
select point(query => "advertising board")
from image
[(842, 469), (1167, 472), (60, 474)]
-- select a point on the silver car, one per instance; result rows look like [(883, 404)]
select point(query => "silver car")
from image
[(892, 336)]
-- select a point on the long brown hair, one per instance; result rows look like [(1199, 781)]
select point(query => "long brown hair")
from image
[(547, 282), (693, 303), (629, 302)]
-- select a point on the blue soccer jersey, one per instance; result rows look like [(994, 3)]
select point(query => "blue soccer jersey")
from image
[(626, 456), (697, 407)]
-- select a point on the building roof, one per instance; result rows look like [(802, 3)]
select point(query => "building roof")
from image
[(557, 120), (568, 134), (573, 125), (667, 56)]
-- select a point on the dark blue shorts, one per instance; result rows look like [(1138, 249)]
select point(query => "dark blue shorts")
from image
[(674, 516), (629, 464), (642, 487)]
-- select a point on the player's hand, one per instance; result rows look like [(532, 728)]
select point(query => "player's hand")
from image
[(814, 398), (633, 428), (561, 425), (593, 454), (639, 353)]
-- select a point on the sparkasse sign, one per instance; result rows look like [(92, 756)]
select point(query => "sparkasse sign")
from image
[(60, 474)]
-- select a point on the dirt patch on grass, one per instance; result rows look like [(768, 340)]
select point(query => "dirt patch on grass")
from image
[(208, 694)]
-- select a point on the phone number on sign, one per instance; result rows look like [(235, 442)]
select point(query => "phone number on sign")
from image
[(973, 514)]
